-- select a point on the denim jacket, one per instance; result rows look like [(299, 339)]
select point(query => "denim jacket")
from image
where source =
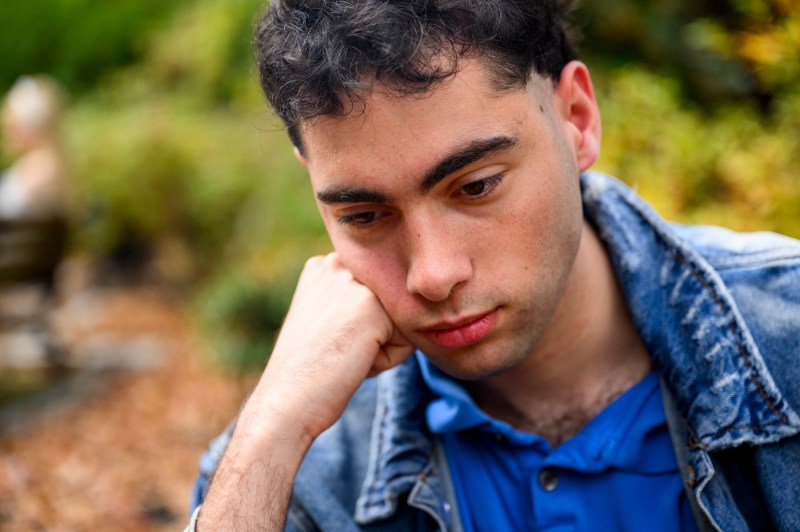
[(720, 315)]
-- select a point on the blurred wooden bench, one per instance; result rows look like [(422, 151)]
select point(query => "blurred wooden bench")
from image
[(30, 253), (30, 250)]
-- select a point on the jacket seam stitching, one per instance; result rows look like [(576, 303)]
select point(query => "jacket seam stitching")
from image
[(742, 351)]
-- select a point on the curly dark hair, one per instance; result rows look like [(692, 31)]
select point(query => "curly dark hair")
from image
[(319, 57)]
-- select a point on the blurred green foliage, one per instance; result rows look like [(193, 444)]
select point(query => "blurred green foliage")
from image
[(76, 41), (242, 315), (729, 165), (718, 50), (181, 148), (173, 148), (701, 106)]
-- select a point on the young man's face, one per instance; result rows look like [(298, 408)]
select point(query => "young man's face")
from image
[(460, 209)]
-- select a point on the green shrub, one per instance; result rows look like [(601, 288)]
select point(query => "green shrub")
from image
[(241, 316), (182, 148), (77, 41), (732, 165)]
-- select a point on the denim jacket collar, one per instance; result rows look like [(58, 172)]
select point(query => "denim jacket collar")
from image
[(690, 324), (687, 319)]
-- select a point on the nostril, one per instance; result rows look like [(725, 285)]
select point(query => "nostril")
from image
[(438, 282)]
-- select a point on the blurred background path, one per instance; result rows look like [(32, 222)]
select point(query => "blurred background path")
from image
[(120, 454)]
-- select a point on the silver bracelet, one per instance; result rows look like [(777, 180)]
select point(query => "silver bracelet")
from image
[(193, 522)]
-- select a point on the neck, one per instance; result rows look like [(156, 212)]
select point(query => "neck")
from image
[(590, 354)]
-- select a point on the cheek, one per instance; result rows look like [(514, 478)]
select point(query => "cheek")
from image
[(542, 231), (376, 268)]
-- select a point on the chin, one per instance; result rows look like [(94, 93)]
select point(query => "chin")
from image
[(474, 364)]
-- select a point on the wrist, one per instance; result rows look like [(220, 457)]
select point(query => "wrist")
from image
[(271, 421), (252, 486)]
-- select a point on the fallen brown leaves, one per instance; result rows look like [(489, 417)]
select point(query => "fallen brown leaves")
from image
[(125, 458)]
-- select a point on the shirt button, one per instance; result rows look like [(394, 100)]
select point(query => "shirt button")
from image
[(548, 480)]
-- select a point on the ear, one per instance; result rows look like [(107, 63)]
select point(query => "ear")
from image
[(575, 104), (299, 156)]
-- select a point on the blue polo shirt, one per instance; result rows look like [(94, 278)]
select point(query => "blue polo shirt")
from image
[(618, 473)]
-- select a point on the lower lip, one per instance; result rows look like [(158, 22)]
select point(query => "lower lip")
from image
[(468, 334)]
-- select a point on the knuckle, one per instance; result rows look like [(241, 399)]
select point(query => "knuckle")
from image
[(312, 262)]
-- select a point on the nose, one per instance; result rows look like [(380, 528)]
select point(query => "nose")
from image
[(437, 262)]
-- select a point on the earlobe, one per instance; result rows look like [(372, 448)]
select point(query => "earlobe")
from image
[(578, 108)]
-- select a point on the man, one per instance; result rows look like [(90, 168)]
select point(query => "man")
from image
[(549, 353)]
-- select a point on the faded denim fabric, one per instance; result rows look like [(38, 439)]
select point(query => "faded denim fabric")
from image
[(720, 314)]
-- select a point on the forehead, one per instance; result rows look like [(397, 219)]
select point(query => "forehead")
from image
[(395, 130)]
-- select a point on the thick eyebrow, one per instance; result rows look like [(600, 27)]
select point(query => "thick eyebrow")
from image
[(458, 159), (474, 151), (350, 195)]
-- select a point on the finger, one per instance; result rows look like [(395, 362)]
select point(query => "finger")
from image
[(389, 357), (391, 354)]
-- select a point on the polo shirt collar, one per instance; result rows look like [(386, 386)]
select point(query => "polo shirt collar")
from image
[(618, 437)]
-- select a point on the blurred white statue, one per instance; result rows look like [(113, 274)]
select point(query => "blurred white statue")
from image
[(34, 186)]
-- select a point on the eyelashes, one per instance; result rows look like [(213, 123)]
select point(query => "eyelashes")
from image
[(472, 191), (360, 218), (481, 187)]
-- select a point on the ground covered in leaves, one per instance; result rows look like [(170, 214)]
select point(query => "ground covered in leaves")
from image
[(122, 455)]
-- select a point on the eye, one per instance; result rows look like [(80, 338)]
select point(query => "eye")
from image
[(475, 188), (359, 219), (481, 187)]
